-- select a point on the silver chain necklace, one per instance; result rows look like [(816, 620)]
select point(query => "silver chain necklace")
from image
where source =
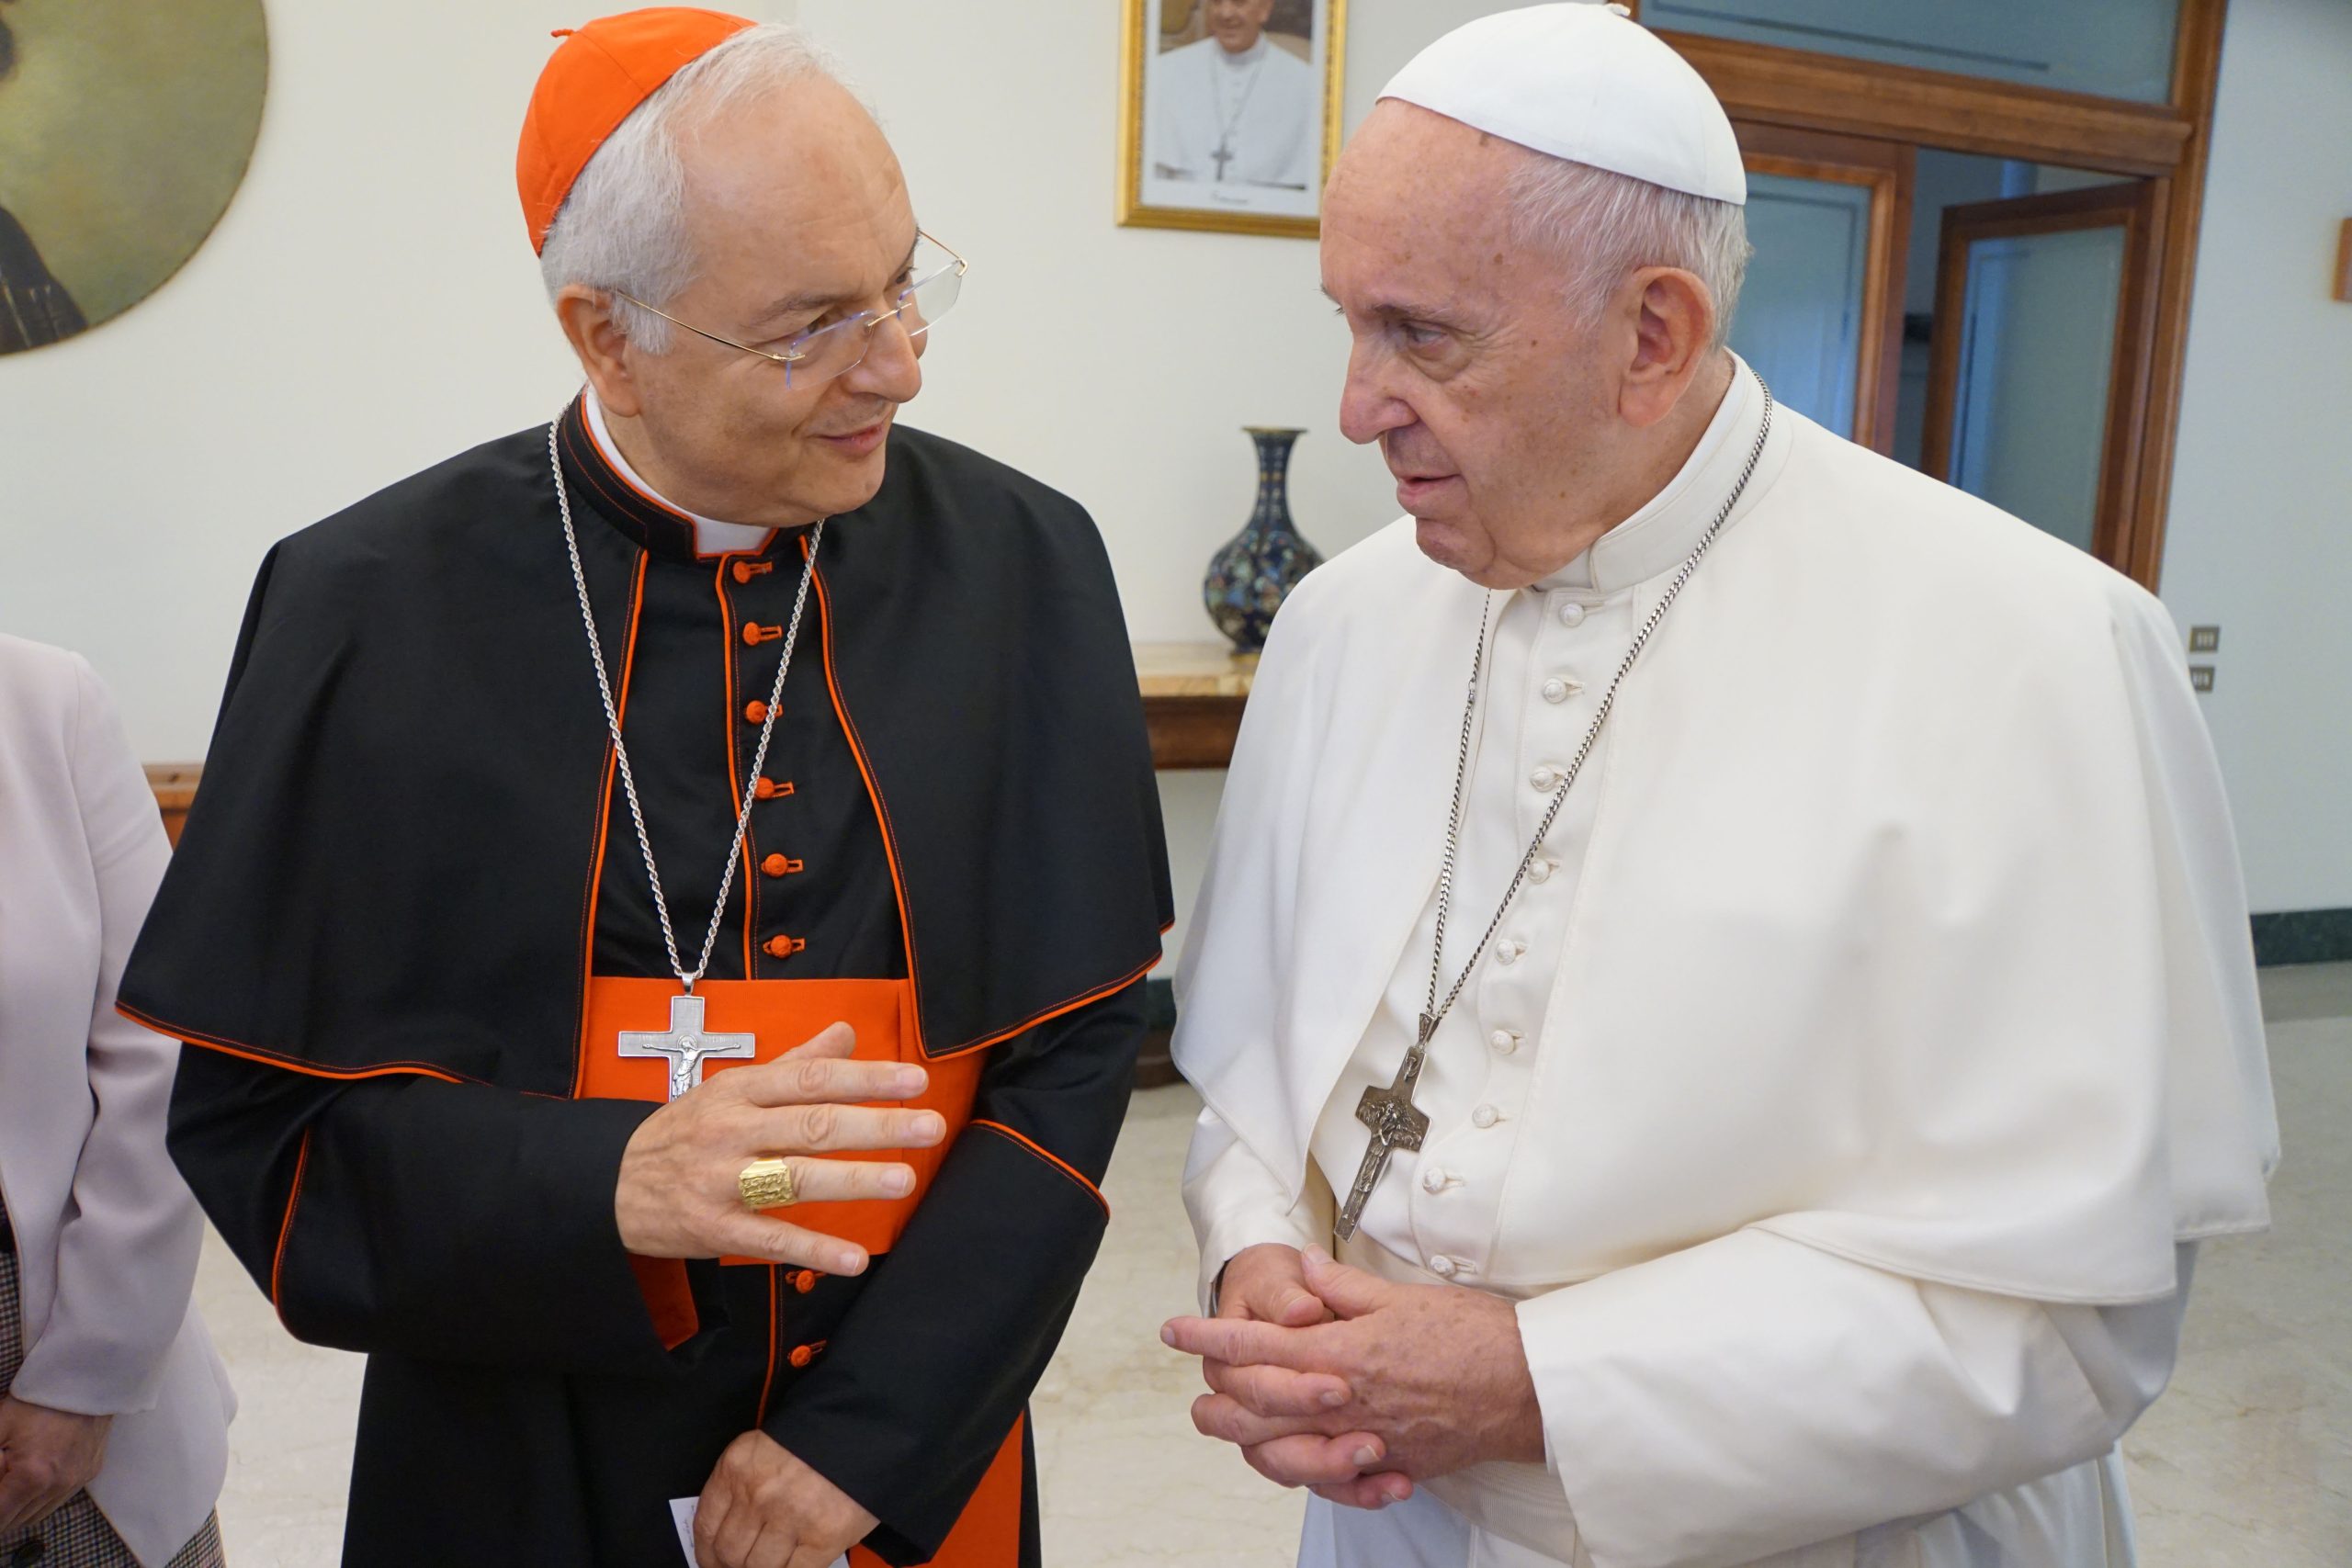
[(1230, 123), (1394, 1120), (685, 1045)]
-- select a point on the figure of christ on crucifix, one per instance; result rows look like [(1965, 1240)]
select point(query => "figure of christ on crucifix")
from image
[(685, 1045), (1396, 1123)]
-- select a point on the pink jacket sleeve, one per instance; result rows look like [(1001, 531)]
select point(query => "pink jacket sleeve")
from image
[(126, 1251)]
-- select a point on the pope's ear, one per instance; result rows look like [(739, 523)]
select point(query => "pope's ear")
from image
[(1673, 330), (603, 349)]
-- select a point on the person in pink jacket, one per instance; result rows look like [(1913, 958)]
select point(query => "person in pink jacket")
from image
[(114, 1408)]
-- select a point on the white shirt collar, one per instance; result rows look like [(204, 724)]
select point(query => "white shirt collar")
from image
[(1667, 528), (712, 538)]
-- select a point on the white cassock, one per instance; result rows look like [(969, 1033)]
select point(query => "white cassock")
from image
[(1262, 107), (1847, 1091)]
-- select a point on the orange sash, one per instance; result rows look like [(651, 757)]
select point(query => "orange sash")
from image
[(783, 1014)]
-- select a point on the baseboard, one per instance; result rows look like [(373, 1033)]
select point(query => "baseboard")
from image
[(2303, 936)]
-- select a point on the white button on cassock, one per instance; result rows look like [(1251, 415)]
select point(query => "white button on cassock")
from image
[(1445, 1267), (1571, 613), (1544, 779), (1485, 1116), (1433, 1179), (1504, 1040), (1541, 870), (1556, 690), (1507, 951)]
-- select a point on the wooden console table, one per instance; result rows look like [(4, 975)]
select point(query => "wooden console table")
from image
[(1193, 696), (175, 787)]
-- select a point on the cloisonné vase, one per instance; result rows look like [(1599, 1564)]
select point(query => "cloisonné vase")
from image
[(1257, 568)]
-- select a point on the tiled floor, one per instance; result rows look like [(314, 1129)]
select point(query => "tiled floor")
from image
[(2246, 1463)]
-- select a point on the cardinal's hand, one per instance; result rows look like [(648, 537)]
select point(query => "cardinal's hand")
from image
[(678, 1197), (764, 1508)]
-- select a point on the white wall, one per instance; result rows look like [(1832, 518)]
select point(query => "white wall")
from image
[(1118, 363), (368, 305), (2260, 537)]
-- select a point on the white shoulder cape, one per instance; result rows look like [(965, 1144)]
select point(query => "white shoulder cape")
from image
[(1911, 928)]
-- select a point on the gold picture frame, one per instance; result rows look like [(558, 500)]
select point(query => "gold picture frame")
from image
[(1150, 202)]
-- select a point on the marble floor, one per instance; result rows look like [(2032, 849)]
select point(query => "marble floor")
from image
[(2246, 1463)]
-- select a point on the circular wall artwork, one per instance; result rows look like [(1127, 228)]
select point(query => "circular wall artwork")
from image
[(125, 128)]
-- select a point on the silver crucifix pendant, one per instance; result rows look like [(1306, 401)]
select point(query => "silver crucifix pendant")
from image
[(1395, 1124), (684, 1046)]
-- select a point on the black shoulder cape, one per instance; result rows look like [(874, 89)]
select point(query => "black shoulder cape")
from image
[(388, 864)]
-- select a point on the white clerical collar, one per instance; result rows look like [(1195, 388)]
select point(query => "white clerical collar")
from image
[(1244, 60), (1655, 539), (712, 538)]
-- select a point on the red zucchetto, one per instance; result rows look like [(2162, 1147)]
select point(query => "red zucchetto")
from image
[(594, 78)]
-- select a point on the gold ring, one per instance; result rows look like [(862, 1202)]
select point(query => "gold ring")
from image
[(768, 1184)]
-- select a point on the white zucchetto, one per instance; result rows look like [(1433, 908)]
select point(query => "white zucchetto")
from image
[(1582, 82)]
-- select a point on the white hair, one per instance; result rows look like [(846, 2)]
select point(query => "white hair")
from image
[(623, 226), (1605, 225)]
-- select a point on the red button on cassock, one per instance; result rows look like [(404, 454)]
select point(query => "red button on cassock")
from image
[(779, 865), (755, 713), (802, 1355)]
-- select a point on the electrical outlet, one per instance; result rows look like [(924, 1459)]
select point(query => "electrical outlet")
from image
[(2204, 639), (2200, 676)]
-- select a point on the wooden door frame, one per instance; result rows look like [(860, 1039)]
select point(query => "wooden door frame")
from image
[(1886, 167), (2137, 207), (2170, 143)]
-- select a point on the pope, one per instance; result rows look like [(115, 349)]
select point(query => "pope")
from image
[(1723, 993)]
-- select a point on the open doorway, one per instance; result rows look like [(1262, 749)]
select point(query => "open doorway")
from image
[(1987, 320)]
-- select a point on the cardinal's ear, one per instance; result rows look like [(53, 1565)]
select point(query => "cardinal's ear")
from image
[(606, 353)]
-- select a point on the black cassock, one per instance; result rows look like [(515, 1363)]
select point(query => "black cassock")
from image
[(410, 864)]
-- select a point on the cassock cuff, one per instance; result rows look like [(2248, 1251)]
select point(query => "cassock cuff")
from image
[(908, 1409), (465, 1223), (1229, 1238), (1237, 1202)]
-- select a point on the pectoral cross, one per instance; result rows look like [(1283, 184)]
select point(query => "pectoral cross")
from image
[(684, 1046), (1223, 155), (1395, 1124)]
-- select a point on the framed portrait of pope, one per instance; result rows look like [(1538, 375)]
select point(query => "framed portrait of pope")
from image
[(1229, 113)]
